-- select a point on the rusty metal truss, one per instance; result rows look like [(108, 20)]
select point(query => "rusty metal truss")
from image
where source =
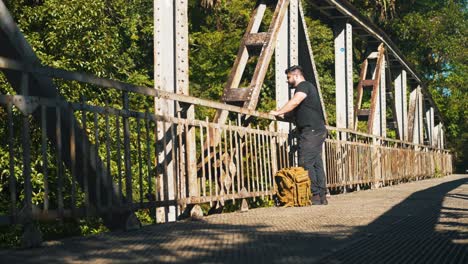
[(372, 83)]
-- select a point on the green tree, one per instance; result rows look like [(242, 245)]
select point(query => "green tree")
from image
[(107, 38), (112, 39)]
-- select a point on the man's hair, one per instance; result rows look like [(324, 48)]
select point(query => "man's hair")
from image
[(294, 68)]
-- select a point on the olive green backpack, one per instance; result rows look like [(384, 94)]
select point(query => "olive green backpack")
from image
[(293, 187)]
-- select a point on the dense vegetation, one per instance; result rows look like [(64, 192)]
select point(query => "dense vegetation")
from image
[(114, 39)]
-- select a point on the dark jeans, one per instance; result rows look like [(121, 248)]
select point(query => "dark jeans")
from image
[(310, 158)]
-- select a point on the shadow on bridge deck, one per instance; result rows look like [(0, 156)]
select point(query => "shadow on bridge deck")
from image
[(429, 230), (423, 222)]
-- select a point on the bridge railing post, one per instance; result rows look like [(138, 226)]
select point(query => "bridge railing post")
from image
[(31, 236), (376, 162)]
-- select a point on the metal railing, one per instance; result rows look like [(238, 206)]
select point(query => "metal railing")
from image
[(76, 159), (374, 161)]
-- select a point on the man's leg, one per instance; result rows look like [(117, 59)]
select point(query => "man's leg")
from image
[(320, 174), (321, 181), (310, 157)]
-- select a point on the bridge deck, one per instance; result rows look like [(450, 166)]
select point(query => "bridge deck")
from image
[(418, 222)]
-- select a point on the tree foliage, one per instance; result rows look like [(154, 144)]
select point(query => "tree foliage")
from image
[(107, 38)]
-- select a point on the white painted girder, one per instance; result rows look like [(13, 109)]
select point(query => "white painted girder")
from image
[(401, 105), (344, 75)]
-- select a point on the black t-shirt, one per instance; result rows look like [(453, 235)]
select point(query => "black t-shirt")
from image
[(309, 111)]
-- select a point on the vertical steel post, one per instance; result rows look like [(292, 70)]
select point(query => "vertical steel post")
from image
[(344, 75), (421, 115), (182, 76), (127, 156), (343, 87), (293, 32), (286, 54), (376, 162), (412, 114), (32, 236), (281, 63), (435, 136), (306, 58), (171, 74), (442, 136), (164, 79), (438, 136), (383, 99), (430, 125), (26, 144), (293, 57), (401, 105)]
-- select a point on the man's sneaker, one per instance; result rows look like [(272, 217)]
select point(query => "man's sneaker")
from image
[(323, 199), (316, 200)]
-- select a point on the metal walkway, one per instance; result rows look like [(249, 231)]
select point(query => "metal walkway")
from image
[(417, 222)]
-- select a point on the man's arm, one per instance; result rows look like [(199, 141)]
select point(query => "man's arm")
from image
[(290, 105)]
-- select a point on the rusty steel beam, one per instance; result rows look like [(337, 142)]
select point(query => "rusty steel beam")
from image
[(374, 124), (112, 84), (306, 59), (263, 60), (266, 54), (240, 63), (15, 65)]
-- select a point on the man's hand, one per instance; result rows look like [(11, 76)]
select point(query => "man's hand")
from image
[(276, 113), (290, 105)]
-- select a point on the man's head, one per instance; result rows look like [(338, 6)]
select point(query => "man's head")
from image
[(295, 75)]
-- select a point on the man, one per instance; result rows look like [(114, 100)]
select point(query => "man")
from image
[(311, 126)]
